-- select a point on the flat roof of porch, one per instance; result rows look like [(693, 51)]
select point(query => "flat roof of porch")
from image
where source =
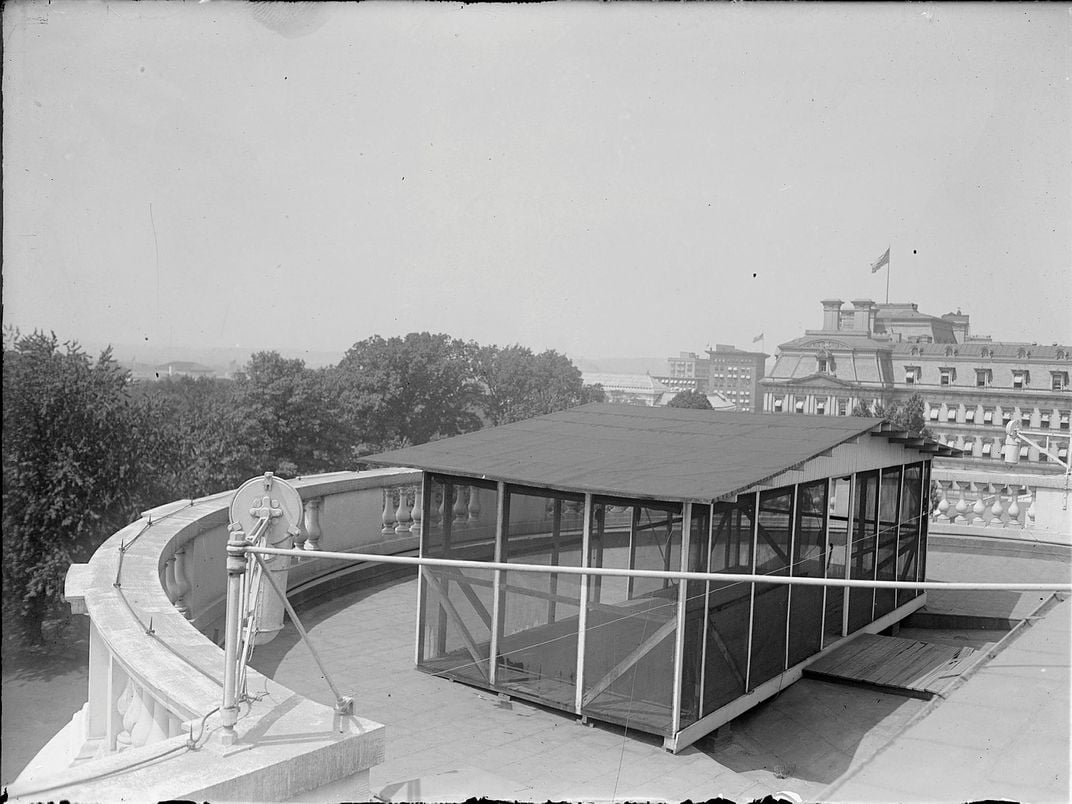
[(648, 453)]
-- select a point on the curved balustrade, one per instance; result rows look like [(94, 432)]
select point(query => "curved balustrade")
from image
[(155, 595)]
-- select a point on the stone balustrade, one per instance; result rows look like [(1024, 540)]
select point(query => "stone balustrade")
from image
[(1022, 505), (155, 594)]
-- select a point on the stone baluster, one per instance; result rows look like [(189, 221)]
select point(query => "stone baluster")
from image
[(171, 585), (389, 508), (461, 510), (182, 579), (980, 507), (943, 504), (402, 513), (311, 522), (474, 504), (1014, 510), (142, 716), (961, 509), (997, 510), (418, 511), (1030, 521), (124, 705)]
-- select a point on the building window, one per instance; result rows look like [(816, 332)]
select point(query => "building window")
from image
[(820, 407), (1058, 380), (1021, 379), (1043, 457), (988, 416), (969, 415), (800, 406), (1006, 417), (969, 447), (1023, 450), (934, 414), (988, 448), (1064, 420), (1062, 453), (1025, 420), (947, 376), (842, 407), (983, 377), (911, 375), (1044, 421), (951, 415), (778, 405)]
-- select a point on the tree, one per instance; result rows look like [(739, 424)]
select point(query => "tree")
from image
[(690, 399), (518, 384), (81, 457), (907, 415), (410, 390)]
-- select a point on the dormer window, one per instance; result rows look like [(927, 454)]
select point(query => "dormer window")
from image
[(983, 377), (915, 350), (1058, 380), (1021, 378), (947, 376), (950, 351), (824, 362), (912, 374)]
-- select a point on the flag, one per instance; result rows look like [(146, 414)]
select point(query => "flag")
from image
[(883, 260), (758, 338)]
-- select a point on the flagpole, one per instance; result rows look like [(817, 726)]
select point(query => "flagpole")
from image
[(888, 268)]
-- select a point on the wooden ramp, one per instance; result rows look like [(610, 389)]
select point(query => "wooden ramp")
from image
[(907, 666)]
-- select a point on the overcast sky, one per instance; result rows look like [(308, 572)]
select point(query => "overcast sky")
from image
[(601, 179)]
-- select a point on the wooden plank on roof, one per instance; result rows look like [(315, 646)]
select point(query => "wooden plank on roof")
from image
[(920, 669)]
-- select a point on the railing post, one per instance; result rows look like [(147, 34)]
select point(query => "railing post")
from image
[(312, 523), (236, 568)]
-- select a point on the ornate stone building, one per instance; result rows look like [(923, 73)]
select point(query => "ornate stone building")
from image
[(972, 385)]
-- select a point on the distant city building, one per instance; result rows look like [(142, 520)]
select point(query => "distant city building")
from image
[(727, 371), (736, 374), (183, 368), (688, 372), (643, 389), (973, 386)]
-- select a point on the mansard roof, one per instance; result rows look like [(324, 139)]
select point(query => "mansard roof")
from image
[(982, 349)]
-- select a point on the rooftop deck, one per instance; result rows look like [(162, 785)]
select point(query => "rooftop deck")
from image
[(997, 735)]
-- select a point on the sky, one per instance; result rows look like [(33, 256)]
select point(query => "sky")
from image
[(606, 180)]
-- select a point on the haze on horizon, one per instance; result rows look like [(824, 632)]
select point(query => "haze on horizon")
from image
[(607, 180)]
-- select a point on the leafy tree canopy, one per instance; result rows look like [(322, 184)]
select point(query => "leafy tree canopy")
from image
[(690, 399), (906, 415), (519, 384), (81, 457)]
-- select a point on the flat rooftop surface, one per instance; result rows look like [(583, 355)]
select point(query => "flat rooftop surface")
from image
[(1003, 732), (637, 451)]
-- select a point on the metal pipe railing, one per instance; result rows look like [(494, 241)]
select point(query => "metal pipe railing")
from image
[(664, 574)]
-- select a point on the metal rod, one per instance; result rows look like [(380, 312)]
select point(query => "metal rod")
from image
[(497, 601), (693, 576), (236, 568), (582, 603), (297, 624), (682, 598)]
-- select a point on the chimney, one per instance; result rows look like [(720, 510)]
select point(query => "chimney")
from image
[(831, 311), (863, 315)]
